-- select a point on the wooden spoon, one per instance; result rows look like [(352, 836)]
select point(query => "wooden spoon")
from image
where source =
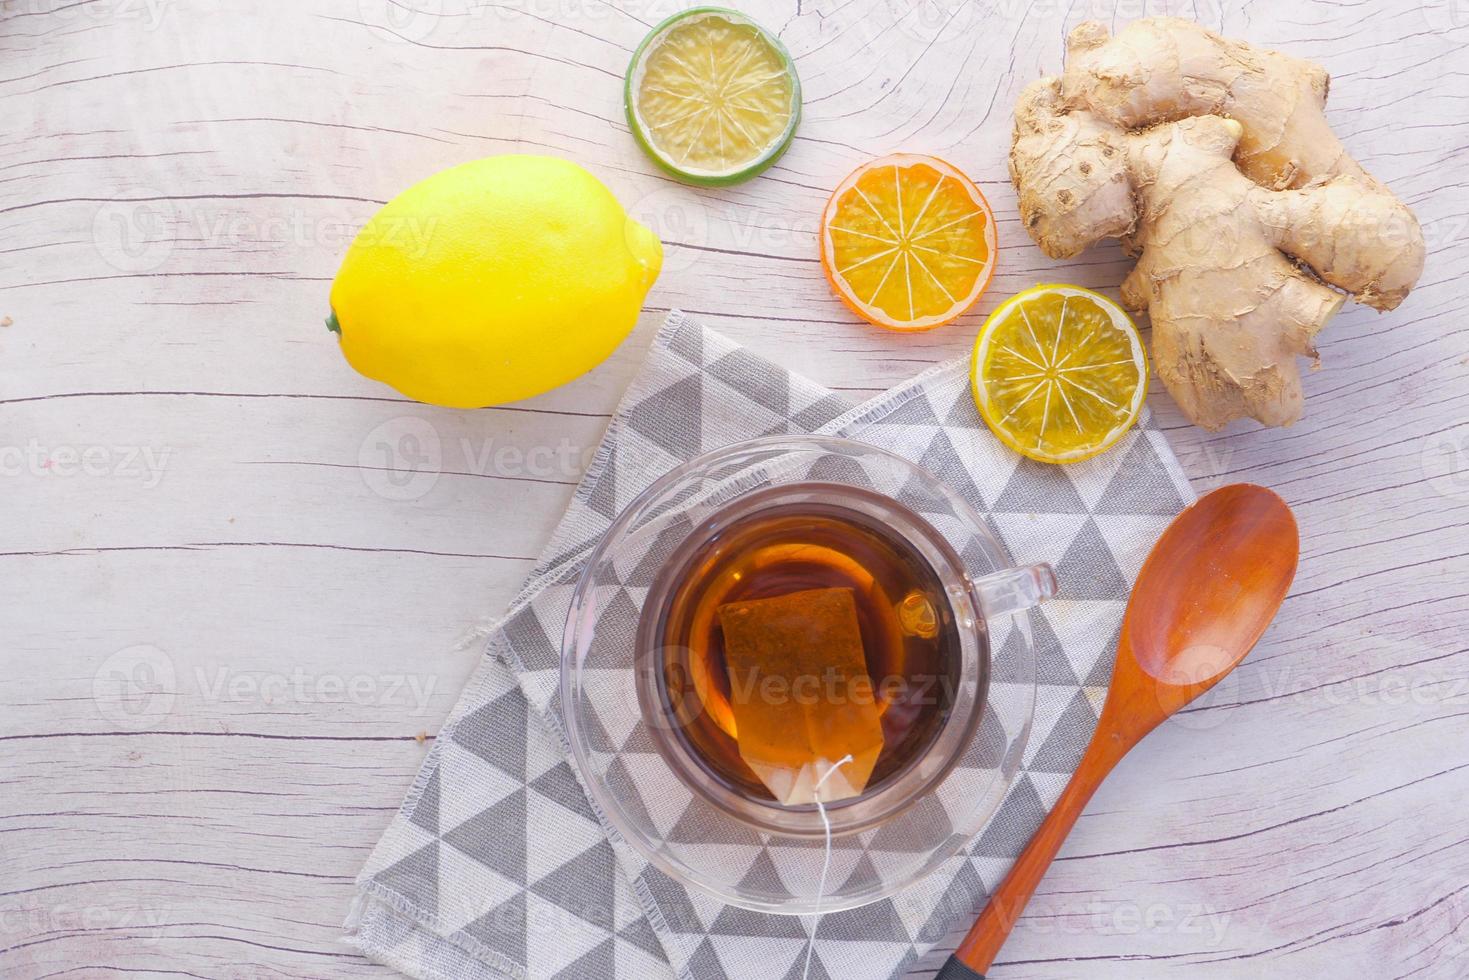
[(1211, 585)]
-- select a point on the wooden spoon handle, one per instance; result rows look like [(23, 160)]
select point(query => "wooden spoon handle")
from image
[(983, 942)]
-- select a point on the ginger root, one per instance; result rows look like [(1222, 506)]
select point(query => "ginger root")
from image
[(1161, 69), (1213, 162)]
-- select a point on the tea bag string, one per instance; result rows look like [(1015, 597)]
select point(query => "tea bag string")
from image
[(825, 859)]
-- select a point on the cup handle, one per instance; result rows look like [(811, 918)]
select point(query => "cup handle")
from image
[(1014, 589)]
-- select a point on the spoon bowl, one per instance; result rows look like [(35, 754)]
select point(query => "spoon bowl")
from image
[(1205, 595)]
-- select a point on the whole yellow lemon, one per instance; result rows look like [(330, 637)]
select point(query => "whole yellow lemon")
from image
[(492, 281)]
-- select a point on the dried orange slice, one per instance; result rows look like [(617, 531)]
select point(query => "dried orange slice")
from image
[(908, 242)]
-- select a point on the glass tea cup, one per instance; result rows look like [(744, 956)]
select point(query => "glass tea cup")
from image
[(659, 790)]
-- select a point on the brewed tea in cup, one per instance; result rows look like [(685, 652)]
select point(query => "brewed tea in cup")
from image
[(798, 627)]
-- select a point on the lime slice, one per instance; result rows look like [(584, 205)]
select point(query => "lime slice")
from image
[(1059, 373), (712, 96)]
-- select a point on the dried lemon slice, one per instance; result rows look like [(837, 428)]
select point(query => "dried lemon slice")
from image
[(1059, 373)]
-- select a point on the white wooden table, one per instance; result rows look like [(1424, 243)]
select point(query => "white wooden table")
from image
[(234, 572)]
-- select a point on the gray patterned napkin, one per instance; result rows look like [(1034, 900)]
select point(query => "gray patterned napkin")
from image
[(497, 866)]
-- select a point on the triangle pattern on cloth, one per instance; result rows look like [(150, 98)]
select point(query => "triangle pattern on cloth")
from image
[(833, 468), (1063, 746), (1091, 477), (926, 821), (962, 413), (696, 827), (1142, 484), (862, 959), (818, 969), (502, 929), (674, 903), (1088, 570), (639, 740), (564, 556), (501, 835), (1037, 537), (622, 782), (583, 885), (876, 922), (416, 875), (574, 835), (987, 749), (705, 964), (687, 341), (864, 870), (1049, 786), (914, 410), (1010, 665), (557, 938), (764, 878), (599, 961), (964, 895), (1051, 665), (752, 376), (426, 810), (650, 564), (716, 430), (496, 733), (1131, 537), (634, 961), (525, 635), (641, 935), (1039, 488), (603, 498), (734, 921), (1092, 629), (1017, 819), (560, 785), (756, 957), (496, 837), (488, 784), (467, 889), (819, 413), (670, 418), (943, 461), (596, 733), (1101, 673)]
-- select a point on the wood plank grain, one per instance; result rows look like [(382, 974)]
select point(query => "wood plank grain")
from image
[(198, 486)]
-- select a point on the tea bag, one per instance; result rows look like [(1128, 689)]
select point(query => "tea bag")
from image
[(801, 694)]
